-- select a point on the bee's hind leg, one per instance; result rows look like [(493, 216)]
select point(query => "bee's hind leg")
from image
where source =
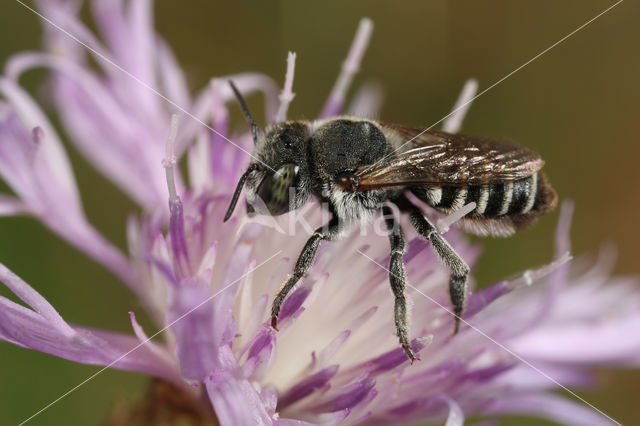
[(458, 282), (397, 279)]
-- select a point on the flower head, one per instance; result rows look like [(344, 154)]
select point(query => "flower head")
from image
[(335, 357)]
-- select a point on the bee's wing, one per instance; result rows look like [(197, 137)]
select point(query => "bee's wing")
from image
[(435, 157)]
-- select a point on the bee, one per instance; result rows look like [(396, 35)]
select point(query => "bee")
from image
[(357, 167)]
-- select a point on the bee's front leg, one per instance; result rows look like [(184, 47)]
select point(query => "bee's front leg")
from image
[(329, 231)]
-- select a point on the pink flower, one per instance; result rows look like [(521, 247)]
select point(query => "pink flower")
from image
[(208, 285)]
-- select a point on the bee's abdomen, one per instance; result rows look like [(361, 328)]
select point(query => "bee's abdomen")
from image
[(505, 198), (525, 197)]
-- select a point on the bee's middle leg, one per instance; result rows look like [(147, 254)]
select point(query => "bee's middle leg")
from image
[(458, 281), (397, 279)]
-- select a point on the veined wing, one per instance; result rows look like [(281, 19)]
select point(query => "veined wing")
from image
[(435, 157)]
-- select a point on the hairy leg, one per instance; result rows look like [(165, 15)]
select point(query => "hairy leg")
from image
[(458, 282), (397, 279), (305, 260)]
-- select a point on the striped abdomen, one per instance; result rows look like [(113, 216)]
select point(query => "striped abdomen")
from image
[(501, 207)]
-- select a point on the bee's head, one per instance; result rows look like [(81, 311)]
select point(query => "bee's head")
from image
[(277, 181)]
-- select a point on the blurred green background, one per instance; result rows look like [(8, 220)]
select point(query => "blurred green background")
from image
[(577, 106)]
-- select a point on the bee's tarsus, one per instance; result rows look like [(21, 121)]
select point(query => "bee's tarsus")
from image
[(410, 353), (274, 323), (456, 326)]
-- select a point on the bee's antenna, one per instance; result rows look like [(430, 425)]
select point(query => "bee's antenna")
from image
[(245, 111), (236, 193)]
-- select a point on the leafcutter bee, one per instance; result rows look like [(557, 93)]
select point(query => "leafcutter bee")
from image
[(357, 167)]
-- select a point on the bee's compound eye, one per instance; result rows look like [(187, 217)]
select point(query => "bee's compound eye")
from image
[(276, 189)]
